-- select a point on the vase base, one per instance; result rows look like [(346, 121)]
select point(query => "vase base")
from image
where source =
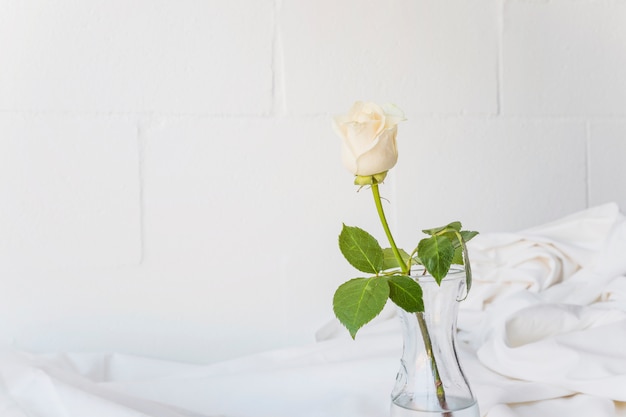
[(397, 410)]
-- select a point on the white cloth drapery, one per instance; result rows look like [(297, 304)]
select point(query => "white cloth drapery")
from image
[(542, 334)]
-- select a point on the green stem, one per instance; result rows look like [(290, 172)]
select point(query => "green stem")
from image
[(383, 220), (441, 395)]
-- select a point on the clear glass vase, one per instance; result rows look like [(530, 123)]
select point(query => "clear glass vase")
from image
[(430, 381)]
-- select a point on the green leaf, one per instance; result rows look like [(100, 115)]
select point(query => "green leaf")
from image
[(389, 259), (454, 226), (461, 255), (406, 293), (436, 252), (468, 268), (468, 235), (454, 236), (359, 300), (361, 249), (457, 259)]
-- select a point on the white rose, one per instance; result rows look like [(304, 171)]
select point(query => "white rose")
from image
[(368, 134)]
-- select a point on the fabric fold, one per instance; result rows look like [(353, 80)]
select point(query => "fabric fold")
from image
[(541, 334)]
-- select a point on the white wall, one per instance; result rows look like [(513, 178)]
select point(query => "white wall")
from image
[(170, 185)]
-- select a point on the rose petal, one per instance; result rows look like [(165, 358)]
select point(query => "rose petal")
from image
[(339, 125), (393, 115), (368, 133), (347, 157), (381, 157), (362, 136), (367, 112)]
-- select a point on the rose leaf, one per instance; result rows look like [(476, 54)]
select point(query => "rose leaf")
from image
[(361, 249), (359, 300)]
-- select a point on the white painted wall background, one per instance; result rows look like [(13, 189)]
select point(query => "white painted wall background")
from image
[(170, 185)]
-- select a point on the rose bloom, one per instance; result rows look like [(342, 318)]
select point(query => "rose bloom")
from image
[(368, 134)]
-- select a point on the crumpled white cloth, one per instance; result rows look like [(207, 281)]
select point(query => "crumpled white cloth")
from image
[(550, 304), (542, 334)]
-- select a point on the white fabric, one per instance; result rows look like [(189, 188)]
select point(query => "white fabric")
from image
[(542, 334)]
